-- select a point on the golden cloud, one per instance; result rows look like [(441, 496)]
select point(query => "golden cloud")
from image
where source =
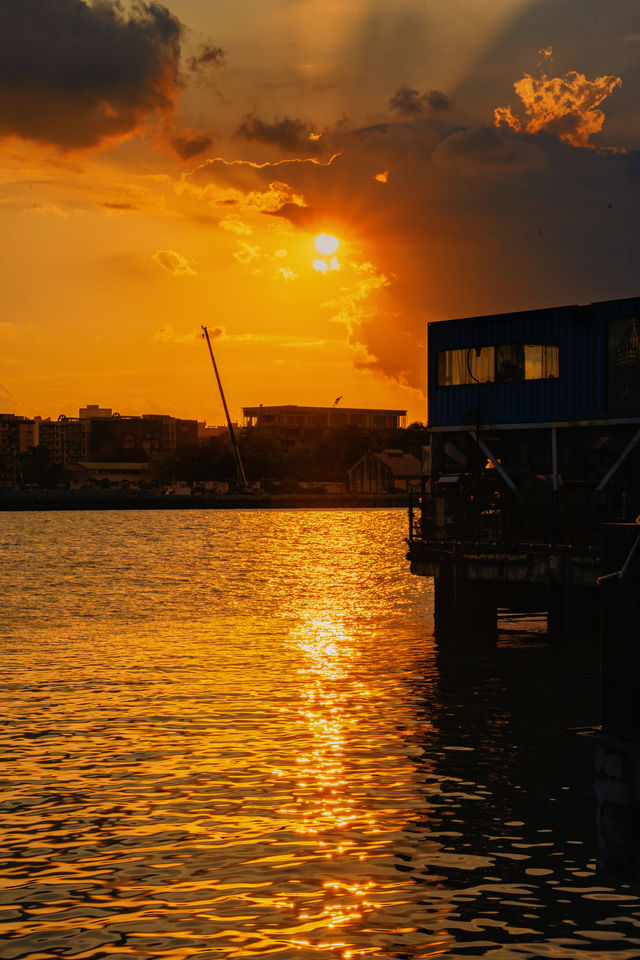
[(169, 335), (216, 162), (245, 175), (242, 187), (47, 209), (174, 263), (273, 198), (354, 306), (246, 252), (234, 225), (287, 273), (564, 106)]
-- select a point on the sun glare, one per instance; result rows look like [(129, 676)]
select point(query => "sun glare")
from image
[(326, 244)]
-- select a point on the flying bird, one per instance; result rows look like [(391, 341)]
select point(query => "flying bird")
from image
[(337, 401)]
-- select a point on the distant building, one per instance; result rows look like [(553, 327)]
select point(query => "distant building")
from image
[(93, 412), (291, 417), (96, 446), (96, 439), (10, 427), (137, 439), (386, 472), (186, 432), (67, 440), (9, 432), (206, 433), (29, 434), (129, 471)]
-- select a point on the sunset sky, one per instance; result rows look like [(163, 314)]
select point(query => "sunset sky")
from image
[(168, 166)]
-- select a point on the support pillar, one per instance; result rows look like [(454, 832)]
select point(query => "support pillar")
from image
[(555, 611), (617, 780), (617, 755), (444, 597), (464, 609), (572, 612)]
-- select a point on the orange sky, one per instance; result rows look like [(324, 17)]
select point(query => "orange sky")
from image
[(170, 167)]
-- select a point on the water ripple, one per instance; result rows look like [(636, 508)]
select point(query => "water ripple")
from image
[(230, 735)]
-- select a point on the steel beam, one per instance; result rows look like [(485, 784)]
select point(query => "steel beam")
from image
[(623, 456), (496, 463)]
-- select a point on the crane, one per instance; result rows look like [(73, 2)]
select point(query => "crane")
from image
[(240, 474)]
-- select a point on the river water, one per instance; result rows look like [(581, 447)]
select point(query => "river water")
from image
[(230, 734)]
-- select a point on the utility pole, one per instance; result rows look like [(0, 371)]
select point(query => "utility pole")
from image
[(241, 476)]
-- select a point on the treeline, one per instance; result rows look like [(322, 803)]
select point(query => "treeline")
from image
[(312, 455), (35, 467)]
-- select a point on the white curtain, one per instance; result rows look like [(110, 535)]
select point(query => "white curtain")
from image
[(457, 367)]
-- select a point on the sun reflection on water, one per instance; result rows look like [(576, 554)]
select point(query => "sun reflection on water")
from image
[(327, 807)]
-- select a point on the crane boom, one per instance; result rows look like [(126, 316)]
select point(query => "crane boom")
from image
[(242, 477)]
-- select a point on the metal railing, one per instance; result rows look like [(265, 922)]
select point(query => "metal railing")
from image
[(470, 515)]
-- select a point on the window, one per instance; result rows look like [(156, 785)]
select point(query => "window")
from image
[(504, 363), (509, 362), (471, 365), (623, 363), (541, 361)]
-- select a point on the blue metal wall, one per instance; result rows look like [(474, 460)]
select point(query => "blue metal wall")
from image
[(579, 392)]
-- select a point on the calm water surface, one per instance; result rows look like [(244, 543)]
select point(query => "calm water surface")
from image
[(229, 734)]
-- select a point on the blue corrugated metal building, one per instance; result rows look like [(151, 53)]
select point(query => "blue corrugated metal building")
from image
[(564, 364)]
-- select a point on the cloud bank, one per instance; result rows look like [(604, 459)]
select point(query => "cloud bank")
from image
[(468, 219)]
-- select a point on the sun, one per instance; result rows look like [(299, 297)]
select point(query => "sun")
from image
[(326, 244)]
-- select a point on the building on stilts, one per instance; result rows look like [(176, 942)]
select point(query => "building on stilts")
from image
[(534, 429)]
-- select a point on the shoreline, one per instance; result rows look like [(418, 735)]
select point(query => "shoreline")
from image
[(19, 501)]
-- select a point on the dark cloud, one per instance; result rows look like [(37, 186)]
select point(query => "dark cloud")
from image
[(307, 218), (438, 100), (483, 150), (74, 75), (411, 103), (119, 206), (394, 357), (208, 58), (633, 164), (190, 143), (293, 136)]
